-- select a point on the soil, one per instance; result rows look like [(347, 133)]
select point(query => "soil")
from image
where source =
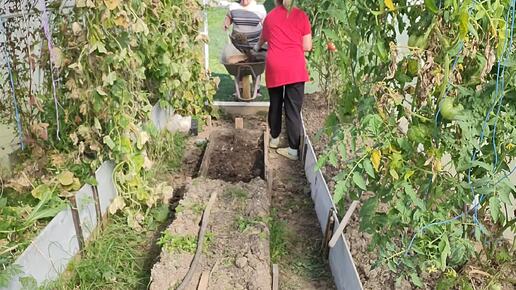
[(240, 259), (237, 253), (247, 145), (302, 266)]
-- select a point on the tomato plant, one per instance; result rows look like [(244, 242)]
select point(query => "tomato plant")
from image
[(429, 122)]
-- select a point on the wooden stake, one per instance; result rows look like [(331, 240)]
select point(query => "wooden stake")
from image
[(200, 243), (208, 121), (328, 233), (275, 277), (343, 223), (203, 282), (96, 199), (239, 123), (266, 153), (205, 163), (76, 222)]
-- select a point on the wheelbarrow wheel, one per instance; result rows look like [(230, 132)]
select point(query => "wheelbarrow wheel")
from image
[(246, 87)]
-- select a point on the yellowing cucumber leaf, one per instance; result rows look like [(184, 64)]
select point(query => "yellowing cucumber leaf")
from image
[(65, 178), (109, 142), (112, 4), (40, 191), (117, 204)]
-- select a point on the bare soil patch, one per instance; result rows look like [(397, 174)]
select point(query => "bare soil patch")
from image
[(237, 248), (237, 155)]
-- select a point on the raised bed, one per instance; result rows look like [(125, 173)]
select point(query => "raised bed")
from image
[(57, 244)]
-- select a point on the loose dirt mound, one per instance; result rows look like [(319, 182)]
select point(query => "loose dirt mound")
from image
[(237, 155), (236, 252)]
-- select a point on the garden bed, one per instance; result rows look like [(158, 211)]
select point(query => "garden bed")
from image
[(236, 246), (315, 113)]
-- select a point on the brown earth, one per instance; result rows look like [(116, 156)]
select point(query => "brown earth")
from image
[(237, 155), (236, 252)]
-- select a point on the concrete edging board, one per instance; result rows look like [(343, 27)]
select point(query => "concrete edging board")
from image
[(342, 266), (56, 245)]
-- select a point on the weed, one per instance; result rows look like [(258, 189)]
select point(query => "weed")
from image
[(115, 260), (243, 223), (196, 207), (236, 192), (166, 151), (278, 233), (188, 243), (175, 243)]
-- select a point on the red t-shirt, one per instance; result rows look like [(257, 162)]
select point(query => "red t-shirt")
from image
[(285, 63)]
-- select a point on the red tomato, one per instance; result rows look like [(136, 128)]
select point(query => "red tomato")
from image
[(331, 47)]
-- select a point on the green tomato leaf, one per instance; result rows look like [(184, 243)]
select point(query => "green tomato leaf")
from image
[(340, 189), (494, 208), (368, 167), (431, 5), (416, 280), (359, 181)]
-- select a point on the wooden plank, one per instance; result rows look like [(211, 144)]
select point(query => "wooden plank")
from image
[(275, 277), (198, 253), (239, 123), (203, 282), (208, 121), (266, 140), (205, 163), (343, 223), (270, 177)]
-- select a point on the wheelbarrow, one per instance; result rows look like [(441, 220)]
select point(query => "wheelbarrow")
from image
[(242, 71)]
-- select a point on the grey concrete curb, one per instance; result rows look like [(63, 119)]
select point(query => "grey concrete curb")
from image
[(343, 268)]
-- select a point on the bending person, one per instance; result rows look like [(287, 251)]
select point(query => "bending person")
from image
[(288, 33), (247, 17)]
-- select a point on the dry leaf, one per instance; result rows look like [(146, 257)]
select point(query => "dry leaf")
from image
[(76, 28), (112, 4)]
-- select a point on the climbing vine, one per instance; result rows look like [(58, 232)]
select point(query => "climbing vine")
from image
[(104, 64), (423, 129)]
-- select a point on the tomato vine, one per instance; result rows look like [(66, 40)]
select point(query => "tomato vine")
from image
[(426, 125)]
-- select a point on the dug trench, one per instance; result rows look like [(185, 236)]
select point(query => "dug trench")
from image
[(249, 226)]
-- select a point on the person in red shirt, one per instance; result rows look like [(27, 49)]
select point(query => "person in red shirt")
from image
[(287, 31)]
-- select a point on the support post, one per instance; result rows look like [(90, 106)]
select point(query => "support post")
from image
[(76, 221), (96, 199)]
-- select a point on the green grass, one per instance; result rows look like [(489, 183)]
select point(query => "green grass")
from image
[(242, 223), (218, 39), (117, 259), (196, 207), (278, 237), (236, 192), (176, 244), (166, 151)]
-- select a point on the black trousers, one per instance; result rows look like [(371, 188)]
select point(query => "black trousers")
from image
[(291, 98)]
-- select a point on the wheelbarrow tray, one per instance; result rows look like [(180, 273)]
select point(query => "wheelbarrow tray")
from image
[(245, 68)]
